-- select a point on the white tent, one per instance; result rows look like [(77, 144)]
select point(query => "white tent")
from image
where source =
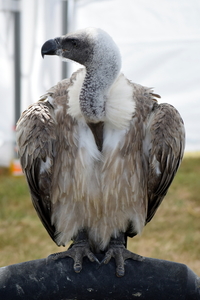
[(159, 43)]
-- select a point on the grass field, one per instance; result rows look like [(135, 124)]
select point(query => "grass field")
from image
[(173, 234)]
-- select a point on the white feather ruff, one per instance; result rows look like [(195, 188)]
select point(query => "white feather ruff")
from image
[(120, 105)]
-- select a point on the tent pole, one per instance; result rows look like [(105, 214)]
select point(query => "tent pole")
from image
[(17, 63), (64, 31)]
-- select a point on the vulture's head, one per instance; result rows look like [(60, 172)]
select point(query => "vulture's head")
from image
[(91, 47)]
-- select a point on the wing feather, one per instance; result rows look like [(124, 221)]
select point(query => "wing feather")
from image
[(36, 137), (165, 151)]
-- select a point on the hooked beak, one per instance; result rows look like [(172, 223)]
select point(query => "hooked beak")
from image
[(50, 47)]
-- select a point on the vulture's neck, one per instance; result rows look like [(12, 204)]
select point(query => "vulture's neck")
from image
[(94, 91)]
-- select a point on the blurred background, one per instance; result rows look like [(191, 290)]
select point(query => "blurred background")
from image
[(160, 48)]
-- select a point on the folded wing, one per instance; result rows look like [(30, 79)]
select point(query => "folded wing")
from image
[(36, 143), (164, 146)]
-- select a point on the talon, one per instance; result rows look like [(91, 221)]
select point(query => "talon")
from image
[(77, 251), (77, 267), (93, 258), (118, 251), (120, 271), (107, 258), (106, 261), (139, 258)]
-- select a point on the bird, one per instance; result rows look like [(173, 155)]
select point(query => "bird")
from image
[(98, 151)]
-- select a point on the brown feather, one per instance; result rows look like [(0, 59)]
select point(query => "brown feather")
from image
[(102, 177)]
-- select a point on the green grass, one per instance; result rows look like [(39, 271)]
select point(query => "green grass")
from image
[(173, 234)]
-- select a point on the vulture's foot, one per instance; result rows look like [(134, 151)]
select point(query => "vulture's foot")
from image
[(117, 250), (77, 250)]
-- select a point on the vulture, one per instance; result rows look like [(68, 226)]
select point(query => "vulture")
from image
[(98, 151)]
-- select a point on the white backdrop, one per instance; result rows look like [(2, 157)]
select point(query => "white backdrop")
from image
[(159, 43)]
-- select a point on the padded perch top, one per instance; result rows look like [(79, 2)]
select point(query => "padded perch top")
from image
[(55, 280)]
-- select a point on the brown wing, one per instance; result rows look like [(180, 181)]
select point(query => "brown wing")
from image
[(45, 134), (36, 142), (165, 142)]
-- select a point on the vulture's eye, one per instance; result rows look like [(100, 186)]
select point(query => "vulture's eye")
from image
[(75, 43)]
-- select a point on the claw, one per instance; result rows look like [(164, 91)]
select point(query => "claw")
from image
[(120, 254), (93, 258), (120, 271), (107, 257), (77, 266), (77, 252)]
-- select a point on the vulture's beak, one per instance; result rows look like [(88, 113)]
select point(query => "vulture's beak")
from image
[(50, 47)]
